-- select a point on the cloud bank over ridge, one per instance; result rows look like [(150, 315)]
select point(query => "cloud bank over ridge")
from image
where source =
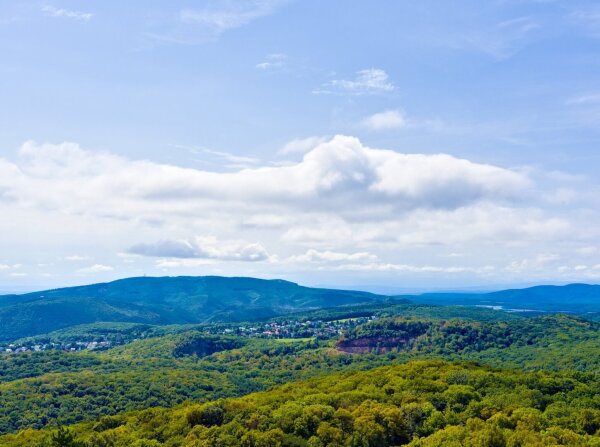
[(343, 206)]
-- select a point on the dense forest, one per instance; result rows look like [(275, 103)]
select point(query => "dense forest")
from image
[(109, 384), (421, 403), (169, 365)]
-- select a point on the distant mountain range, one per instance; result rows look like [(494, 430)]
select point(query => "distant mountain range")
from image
[(184, 300), (572, 298), (165, 300)]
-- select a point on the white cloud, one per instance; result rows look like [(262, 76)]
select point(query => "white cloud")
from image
[(487, 223), (341, 204), (588, 20), (389, 119), (500, 40), (233, 161), (265, 221), (4, 267), (335, 175), (587, 251), (206, 21), (272, 61), (585, 108), (224, 15), (415, 269), (302, 145), (52, 11), (176, 263), (367, 81), (77, 258), (535, 264), (579, 272), (562, 196), (313, 255), (586, 99), (203, 247), (173, 249), (96, 268)]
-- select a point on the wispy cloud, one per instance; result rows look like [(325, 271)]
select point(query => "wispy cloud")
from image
[(502, 40), (96, 268), (272, 61), (77, 258), (233, 161), (414, 269), (537, 263), (588, 20), (62, 13), (171, 263), (209, 20), (388, 119), (367, 81), (224, 15), (302, 145), (586, 99), (10, 267), (586, 108), (313, 255)]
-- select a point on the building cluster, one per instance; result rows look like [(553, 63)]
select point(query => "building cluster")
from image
[(290, 329), (70, 346), (282, 329)]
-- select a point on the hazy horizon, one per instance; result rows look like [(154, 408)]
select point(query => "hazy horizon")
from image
[(373, 288)]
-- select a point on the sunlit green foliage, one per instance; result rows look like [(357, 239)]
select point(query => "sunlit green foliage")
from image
[(425, 403), (72, 387)]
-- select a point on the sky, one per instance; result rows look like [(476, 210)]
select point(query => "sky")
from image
[(384, 145)]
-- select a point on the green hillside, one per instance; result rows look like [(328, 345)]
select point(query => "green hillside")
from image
[(168, 342), (552, 342), (193, 300), (573, 298), (166, 300), (40, 388), (422, 404)]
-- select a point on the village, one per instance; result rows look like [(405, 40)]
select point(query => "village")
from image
[(290, 329), (284, 330), (71, 346)]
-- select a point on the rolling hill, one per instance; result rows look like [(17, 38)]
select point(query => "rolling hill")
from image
[(571, 298), (202, 299), (165, 300)]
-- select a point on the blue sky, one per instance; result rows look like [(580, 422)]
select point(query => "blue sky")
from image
[(200, 138)]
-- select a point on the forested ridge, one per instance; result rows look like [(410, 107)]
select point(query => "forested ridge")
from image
[(165, 300), (112, 383), (421, 403), (530, 343), (50, 387), (210, 299)]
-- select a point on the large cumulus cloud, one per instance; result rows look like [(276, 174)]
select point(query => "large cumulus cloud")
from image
[(341, 175), (343, 206)]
